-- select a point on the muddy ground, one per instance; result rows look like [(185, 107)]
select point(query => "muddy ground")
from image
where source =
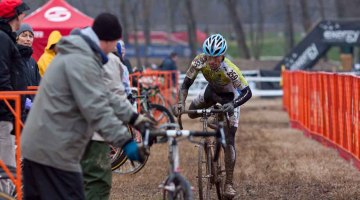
[(273, 162)]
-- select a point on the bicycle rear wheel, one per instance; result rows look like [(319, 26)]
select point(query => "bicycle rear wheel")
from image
[(177, 187)]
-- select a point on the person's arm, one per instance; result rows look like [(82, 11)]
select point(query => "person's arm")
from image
[(113, 81), (244, 96), (191, 74), (36, 73), (98, 105), (240, 83), (5, 80)]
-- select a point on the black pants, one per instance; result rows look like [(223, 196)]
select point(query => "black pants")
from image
[(42, 182)]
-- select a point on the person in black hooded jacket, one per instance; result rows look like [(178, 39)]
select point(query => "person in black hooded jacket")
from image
[(25, 39), (11, 71)]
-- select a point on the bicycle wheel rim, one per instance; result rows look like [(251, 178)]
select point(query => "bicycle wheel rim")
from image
[(182, 188), (117, 157)]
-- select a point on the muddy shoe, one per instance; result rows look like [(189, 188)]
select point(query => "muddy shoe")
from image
[(229, 191)]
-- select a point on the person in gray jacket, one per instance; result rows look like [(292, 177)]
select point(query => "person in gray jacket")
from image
[(71, 104)]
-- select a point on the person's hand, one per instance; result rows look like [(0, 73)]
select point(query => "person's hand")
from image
[(131, 98), (143, 122), (135, 152), (28, 104), (229, 108), (178, 108)]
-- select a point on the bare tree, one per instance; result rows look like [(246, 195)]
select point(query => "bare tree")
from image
[(134, 13), (348, 8), (321, 9), (256, 36), (124, 20), (289, 27), (237, 24), (191, 26), (146, 14), (83, 6), (171, 11), (106, 5), (305, 15)]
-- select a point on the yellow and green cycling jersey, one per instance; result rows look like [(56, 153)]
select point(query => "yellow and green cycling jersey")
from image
[(227, 78)]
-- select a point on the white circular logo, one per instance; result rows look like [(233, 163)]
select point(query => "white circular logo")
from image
[(57, 14)]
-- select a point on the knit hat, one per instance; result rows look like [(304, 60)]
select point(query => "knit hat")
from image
[(107, 27), (23, 28), (9, 9)]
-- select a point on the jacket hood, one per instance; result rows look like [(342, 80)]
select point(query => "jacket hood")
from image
[(54, 38), (74, 44)]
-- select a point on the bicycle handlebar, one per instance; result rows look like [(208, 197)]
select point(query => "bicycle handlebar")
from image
[(183, 133), (198, 111)]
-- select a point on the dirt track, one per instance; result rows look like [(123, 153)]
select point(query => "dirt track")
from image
[(273, 162)]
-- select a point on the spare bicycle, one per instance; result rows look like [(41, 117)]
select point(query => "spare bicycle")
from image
[(119, 162)]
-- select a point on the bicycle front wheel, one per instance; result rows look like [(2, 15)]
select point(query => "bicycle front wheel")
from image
[(161, 114), (204, 172), (177, 187), (219, 171)]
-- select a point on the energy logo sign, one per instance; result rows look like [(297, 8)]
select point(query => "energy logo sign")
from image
[(57, 14)]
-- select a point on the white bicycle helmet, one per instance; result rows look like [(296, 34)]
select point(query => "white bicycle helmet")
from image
[(215, 45)]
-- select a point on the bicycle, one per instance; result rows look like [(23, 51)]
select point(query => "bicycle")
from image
[(175, 185), (211, 166), (120, 164)]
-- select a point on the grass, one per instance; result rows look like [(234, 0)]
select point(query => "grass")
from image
[(274, 46)]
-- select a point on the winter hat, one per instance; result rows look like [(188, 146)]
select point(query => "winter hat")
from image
[(23, 28), (107, 27), (9, 9)]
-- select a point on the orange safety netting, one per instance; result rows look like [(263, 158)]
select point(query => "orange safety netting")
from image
[(166, 81), (326, 106)]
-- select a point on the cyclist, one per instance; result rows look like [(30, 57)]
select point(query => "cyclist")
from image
[(226, 85)]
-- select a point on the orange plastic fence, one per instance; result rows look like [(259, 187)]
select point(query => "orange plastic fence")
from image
[(167, 81), (15, 96), (326, 106)]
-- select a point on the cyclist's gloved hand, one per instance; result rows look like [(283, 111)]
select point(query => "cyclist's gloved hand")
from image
[(143, 122), (229, 107), (179, 108), (135, 152)]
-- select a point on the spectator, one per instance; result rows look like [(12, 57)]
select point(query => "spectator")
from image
[(96, 163), (124, 72), (50, 52), (169, 64), (72, 103), (11, 71), (123, 59), (24, 39)]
